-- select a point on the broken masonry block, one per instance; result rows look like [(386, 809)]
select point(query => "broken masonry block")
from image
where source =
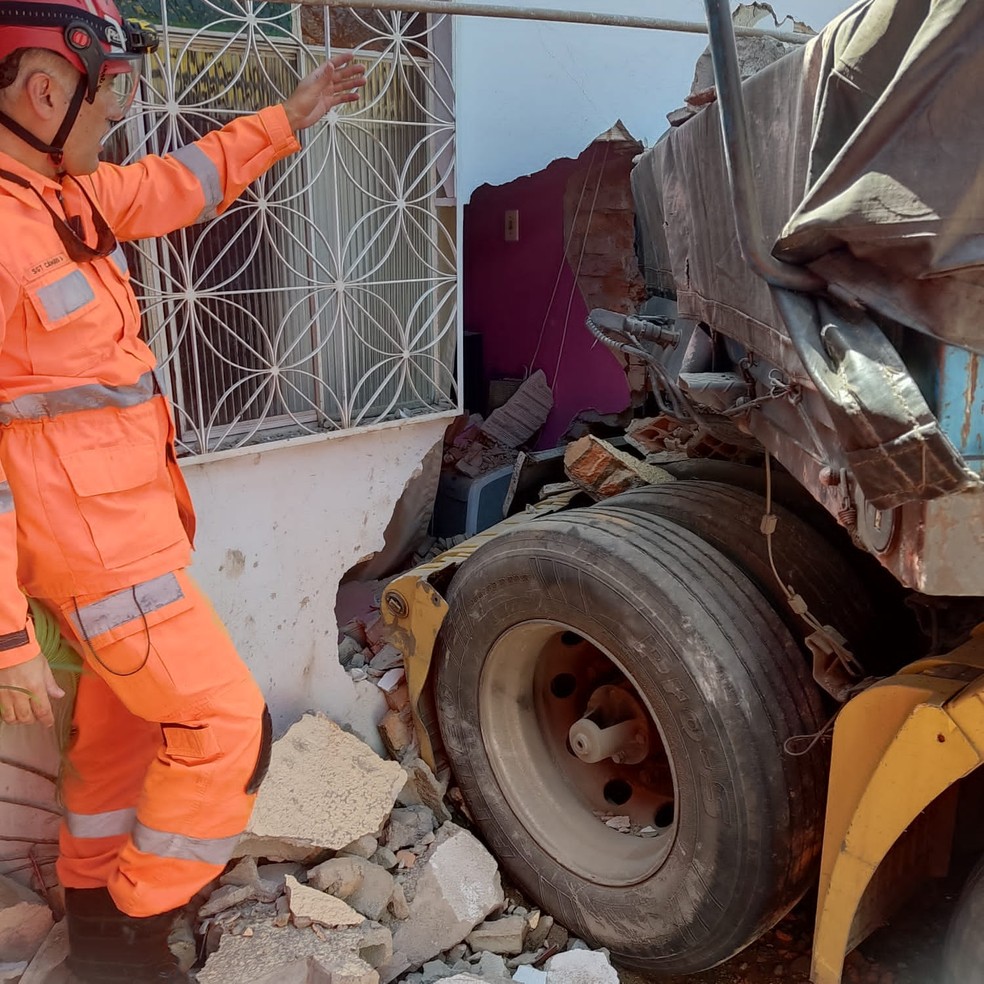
[(325, 789)]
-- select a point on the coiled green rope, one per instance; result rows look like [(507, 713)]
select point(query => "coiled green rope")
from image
[(65, 663), (59, 654)]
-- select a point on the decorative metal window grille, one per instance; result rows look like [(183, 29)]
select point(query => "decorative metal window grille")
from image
[(326, 297)]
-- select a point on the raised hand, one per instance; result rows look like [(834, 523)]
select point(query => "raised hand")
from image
[(335, 82)]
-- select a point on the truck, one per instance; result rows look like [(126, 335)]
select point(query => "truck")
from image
[(673, 712)]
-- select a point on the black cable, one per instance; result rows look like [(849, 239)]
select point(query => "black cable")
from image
[(92, 649)]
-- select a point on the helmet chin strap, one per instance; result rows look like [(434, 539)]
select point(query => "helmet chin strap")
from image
[(56, 149)]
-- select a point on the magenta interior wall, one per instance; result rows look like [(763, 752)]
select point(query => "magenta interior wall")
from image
[(507, 289)]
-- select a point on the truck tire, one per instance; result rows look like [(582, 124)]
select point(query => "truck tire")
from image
[(901, 638), (622, 615), (729, 519), (785, 489), (963, 954)]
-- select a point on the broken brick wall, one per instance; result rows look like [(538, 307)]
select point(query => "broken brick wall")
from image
[(599, 224), (523, 298)]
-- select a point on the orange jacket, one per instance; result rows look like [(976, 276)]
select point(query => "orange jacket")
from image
[(91, 498)]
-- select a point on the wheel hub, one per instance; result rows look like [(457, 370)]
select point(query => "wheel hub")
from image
[(577, 753), (625, 741)]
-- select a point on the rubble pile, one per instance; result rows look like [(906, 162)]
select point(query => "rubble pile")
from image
[(352, 871), (476, 446)]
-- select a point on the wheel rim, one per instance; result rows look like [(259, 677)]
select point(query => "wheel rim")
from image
[(539, 680)]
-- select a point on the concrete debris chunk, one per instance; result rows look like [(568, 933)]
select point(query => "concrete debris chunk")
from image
[(325, 789), (557, 937), (680, 116), (369, 892), (44, 968), (581, 967), (398, 907), (522, 960), (530, 975), (505, 935), (363, 847), (391, 680), (25, 921), (537, 934), (455, 887), (433, 971), (406, 859), (339, 877), (408, 825), (244, 872), (622, 824), (458, 952), (492, 967), (276, 873), (348, 649), (308, 971), (388, 658), (229, 896), (385, 858), (603, 471), (344, 956), (308, 905), (423, 788)]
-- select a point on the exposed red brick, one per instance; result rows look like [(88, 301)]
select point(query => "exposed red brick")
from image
[(596, 467), (396, 730), (602, 239)]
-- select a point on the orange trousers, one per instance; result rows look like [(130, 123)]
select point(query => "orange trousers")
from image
[(170, 740)]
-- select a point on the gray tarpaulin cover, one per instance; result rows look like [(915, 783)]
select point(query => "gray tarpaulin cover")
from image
[(868, 144)]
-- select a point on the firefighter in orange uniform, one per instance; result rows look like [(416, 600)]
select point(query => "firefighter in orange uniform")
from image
[(171, 736)]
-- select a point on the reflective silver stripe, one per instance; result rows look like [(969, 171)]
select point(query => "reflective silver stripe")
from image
[(92, 825), (211, 850), (196, 160), (126, 605), (94, 396), (6, 498), (60, 298), (119, 258)]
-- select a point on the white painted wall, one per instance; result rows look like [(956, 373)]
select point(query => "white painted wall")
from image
[(277, 530), (528, 92)]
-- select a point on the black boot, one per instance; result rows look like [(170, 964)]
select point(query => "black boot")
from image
[(107, 946)]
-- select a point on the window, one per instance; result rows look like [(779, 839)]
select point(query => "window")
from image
[(326, 297)]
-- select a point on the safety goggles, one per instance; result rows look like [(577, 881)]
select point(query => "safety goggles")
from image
[(122, 78)]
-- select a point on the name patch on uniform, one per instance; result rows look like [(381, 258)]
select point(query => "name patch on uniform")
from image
[(48, 264)]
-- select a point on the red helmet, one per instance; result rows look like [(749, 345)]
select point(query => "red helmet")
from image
[(91, 34)]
